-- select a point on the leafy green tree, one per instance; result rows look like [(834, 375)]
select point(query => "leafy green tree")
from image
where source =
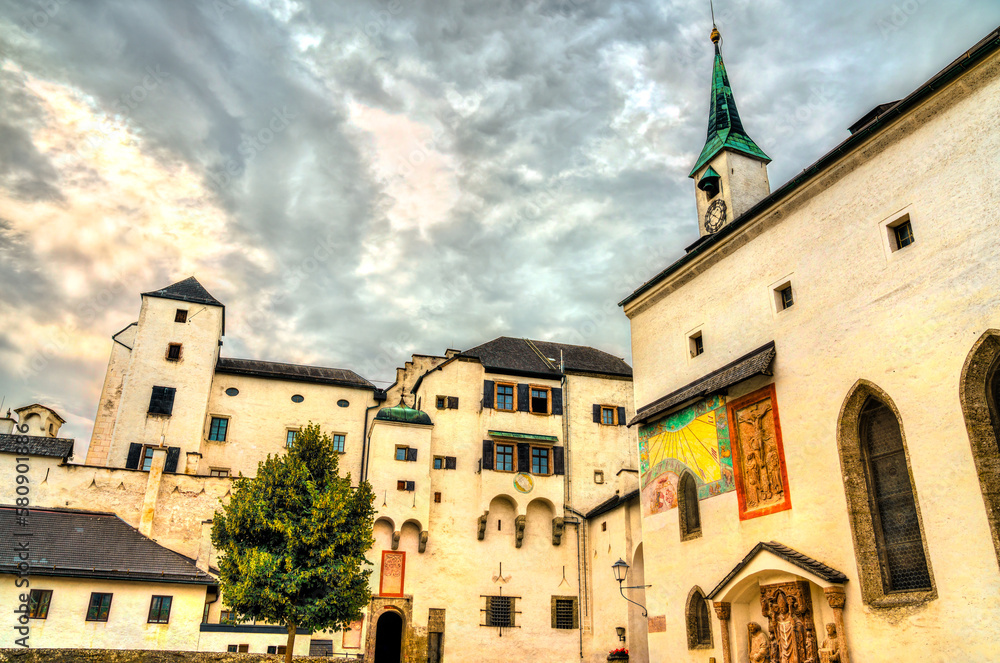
[(292, 541)]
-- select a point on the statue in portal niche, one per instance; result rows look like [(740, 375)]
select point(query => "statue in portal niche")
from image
[(758, 644), (830, 651), (790, 638)]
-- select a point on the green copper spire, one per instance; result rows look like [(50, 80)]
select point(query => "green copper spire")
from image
[(724, 126)]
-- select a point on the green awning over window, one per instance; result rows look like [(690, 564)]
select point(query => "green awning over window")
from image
[(507, 435)]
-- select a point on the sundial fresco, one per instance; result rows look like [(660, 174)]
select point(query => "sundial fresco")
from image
[(695, 439)]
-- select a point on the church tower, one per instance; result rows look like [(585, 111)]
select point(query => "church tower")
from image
[(731, 172)]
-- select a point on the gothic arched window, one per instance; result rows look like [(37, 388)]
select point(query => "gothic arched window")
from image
[(688, 507), (699, 625), (882, 501)]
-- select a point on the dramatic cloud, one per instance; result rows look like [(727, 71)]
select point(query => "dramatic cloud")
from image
[(359, 180)]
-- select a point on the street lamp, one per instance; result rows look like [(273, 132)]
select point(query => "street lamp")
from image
[(620, 630), (620, 569)]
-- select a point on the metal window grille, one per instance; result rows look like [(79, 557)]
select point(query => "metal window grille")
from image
[(338, 443), (894, 514), (564, 613), (505, 458), (540, 461), (505, 397), (500, 611), (218, 430)]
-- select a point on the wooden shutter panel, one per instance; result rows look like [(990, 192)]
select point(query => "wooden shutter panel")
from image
[(487, 393), (558, 460), (523, 394), (411, 454), (449, 462), (168, 400), (597, 414), (453, 402), (173, 454), (622, 419), (134, 454), (411, 486), (523, 458), (557, 401), (487, 454)]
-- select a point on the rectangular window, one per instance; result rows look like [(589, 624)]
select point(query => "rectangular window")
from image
[(608, 416), (408, 486), (500, 611), (785, 297), (437, 498), (147, 458), (442, 402), (438, 462), (174, 352), (338, 442), (900, 233), (238, 648), (400, 453), (181, 315), (162, 400), (505, 397), (226, 616), (406, 453), (218, 429), (38, 603), (219, 472), (504, 458), (697, 344), (540, 460), (100, 606), (540, 400), (276, 649), (290, 436), (159, 610), (564, 612)]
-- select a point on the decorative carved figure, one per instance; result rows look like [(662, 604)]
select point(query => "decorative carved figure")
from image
[(558, 526), (482, 527), (757, 454), (423, 541), (519, 523), (758, 644), (788, 608), (395, 540), (830, 651)]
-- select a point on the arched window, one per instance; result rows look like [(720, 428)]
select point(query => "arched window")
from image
[(699, 625), (688, 507), (979, 392), (894, 511), (882, 501)]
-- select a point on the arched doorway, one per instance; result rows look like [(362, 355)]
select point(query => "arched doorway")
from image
[(389, 637)]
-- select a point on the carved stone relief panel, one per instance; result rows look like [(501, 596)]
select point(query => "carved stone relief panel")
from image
[(788, 609), (758, 454)]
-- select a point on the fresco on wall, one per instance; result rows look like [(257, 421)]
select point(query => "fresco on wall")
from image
[(695, 439)]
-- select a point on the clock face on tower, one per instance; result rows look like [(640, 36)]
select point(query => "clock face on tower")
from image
[(715, 216)]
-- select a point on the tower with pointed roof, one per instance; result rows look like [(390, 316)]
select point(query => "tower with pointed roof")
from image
[(731, 172)]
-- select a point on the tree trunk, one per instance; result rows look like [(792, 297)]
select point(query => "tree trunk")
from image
[(290, 648)]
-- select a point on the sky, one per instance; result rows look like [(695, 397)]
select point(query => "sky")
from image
[(359, 180)]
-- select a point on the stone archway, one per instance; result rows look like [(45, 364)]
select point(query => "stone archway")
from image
[(389, 638), (402, 608)]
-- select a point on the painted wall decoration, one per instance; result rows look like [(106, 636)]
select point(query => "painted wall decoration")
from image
[(759, 457), (393, 572), (695, 439), (352, 635)]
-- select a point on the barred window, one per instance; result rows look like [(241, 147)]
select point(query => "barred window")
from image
[(564, 612), (499, 611)]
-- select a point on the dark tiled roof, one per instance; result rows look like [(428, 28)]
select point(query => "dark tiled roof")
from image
[(817, 568), (612, 503), (188, 290), (294, 372), (34, 445), (91, 544), (974, 55), (518, 356), (754, 363)]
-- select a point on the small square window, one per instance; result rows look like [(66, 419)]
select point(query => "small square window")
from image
[(219, 472), (505, 397), (697, 344), (598, 476), (438, 462), (442, 402), (608, 416), (785, 299), (38, 603), (218, 429), (400, 485), (564, 612), (437, 498), (604, 526), (902, 234), (504, 458), (226, 617), (500, 611), (100, 606), (339, 442), (181, 315), (290, 436), (159, 610), (174, 352), (540, 460), (406, 453), (540, 400), (231, 648)]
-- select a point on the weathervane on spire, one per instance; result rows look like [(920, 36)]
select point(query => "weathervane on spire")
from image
[(716, 35)]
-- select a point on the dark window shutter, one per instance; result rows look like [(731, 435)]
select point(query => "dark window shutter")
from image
[(523, 458), (411, 454), (487, 393), (173, 455), (523, 393), (453, 402), (449, 462), (597, 414), (487, 454), (621, 417), (557, 401), (411, 485), (134, 454), (558, 460), (162, 400)]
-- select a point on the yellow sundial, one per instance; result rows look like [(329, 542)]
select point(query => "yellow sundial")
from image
[(695, 445)]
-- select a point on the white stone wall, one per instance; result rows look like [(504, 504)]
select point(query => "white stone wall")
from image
[(904, 320)]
